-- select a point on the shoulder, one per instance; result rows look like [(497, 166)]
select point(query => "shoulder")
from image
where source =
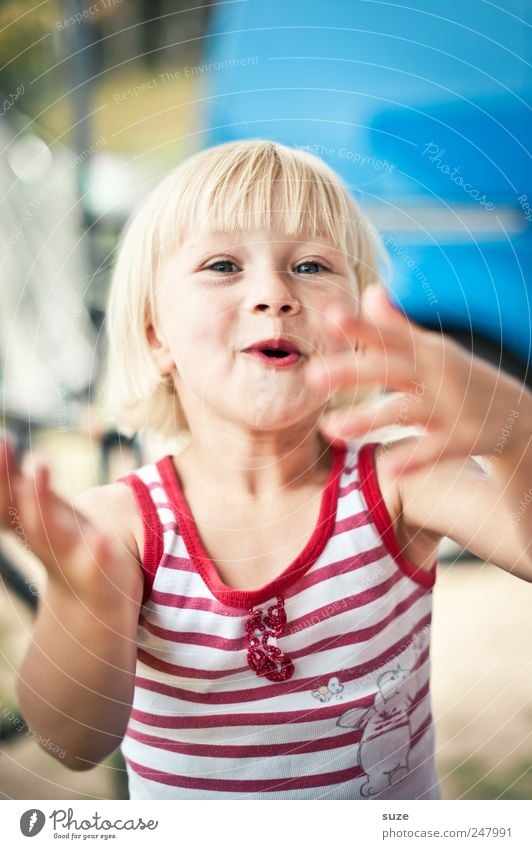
[(113, 508), (418, 545)]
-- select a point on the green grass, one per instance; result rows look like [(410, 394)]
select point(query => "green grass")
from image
[(474, 779)]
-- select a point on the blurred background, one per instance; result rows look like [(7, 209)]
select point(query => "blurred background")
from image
[(424, 110)]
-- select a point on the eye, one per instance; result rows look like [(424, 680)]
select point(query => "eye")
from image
[(215, 266), (313, 264)]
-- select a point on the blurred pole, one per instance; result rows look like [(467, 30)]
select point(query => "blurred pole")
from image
[(82, 69)]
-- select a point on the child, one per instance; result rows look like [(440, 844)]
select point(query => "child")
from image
[(250, 617)]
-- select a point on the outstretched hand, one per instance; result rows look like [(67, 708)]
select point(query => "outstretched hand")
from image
[(75, 552), (460, 403)]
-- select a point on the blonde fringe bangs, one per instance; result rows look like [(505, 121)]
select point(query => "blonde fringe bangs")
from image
[(237, 187)]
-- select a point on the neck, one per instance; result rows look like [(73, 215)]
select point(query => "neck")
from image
[(253, 466)]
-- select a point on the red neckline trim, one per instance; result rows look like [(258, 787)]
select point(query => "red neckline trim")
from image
[(206, 567), (370, 488)]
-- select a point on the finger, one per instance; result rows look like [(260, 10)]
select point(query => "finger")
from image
[(60, 514), (8, 463), (34, 490), (9, 469), (60, 521), (40, 482), (28, 512), (378, 307), (48, 536), (9, 473), (385, 413), (341, 371), (356, 329), (411, 457)]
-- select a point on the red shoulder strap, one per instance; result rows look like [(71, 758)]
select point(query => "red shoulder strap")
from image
[(369, 486), (153, 532)]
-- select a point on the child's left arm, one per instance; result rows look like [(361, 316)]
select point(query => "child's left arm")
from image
[(465, 407)]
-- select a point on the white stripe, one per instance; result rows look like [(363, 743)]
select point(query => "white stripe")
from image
[(274, 767), (300, 611)]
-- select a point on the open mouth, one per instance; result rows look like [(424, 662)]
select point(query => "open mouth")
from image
[(275, 352), (276, 357)]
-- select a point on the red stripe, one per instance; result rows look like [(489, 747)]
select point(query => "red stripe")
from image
[(325, 644), (171, 525), (388, 656), (352, 602), (179, 564), (245, 720), (284, 688), (348, 488), (185, 602), (189, 602), (271, 785), (338, 567), (194, 638), (357, 520), (264, 785), (203, 750), (230, 644), (314, 576), (229, 720), (421, 731)]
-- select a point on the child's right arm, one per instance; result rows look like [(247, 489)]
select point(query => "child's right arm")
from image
[(76, 683)]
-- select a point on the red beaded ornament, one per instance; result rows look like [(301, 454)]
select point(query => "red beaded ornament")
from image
[(264, 659)]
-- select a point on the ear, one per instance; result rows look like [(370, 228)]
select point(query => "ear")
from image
[(160, 351)]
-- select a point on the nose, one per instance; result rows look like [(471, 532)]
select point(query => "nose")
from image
[(272, 294)]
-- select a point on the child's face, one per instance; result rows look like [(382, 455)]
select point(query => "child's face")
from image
[(220, 295)]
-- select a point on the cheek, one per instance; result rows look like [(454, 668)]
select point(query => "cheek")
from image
[(206, 340)]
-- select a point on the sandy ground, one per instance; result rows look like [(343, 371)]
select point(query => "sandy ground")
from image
[(481, 682)]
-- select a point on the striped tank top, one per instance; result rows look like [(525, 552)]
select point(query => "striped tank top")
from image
[(313, 686)]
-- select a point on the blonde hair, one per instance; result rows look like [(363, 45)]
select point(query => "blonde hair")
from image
[(229, 188)]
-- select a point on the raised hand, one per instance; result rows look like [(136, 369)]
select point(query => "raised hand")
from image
[(81, 560), (461, 403)]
